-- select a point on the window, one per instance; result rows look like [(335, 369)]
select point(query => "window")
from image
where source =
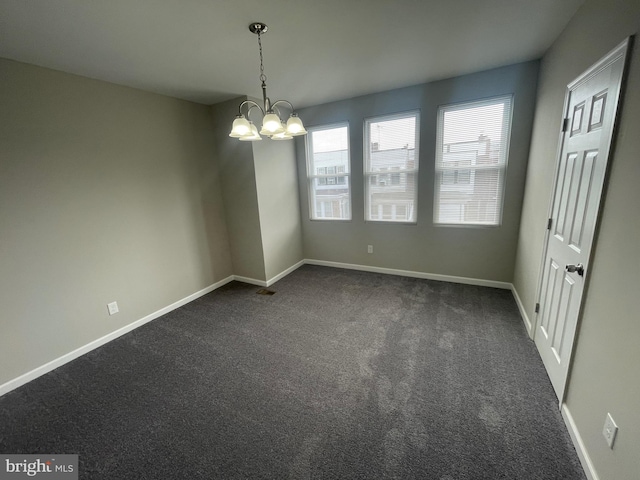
[(391, 168), (471, 161), (328, 172)]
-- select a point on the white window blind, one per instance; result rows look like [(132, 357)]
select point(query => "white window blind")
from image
[(391, 168), (471, 159), (328, 172)]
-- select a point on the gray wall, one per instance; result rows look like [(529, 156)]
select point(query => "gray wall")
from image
[(604, 375), (238, 178), (106, 194), (278, 203), (476, 252)]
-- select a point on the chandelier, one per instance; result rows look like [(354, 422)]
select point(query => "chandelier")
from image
[(272, 124)]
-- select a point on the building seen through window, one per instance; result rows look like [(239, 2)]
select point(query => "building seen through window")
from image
[(391, 168), (328, 172), (471, 161), (391, 191)]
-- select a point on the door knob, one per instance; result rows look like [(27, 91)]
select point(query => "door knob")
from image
[(579, 269)]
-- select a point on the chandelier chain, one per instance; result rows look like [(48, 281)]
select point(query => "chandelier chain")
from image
[(263, 77)]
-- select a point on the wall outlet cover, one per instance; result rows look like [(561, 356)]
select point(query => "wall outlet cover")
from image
[(113, 308), (610, 430)]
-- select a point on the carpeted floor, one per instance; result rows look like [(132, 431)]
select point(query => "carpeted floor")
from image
[(338, 375)]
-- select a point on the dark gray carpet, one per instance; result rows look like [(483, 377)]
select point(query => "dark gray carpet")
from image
[(340, 374)]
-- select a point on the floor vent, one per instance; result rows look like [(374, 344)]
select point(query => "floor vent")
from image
[(264, 291)]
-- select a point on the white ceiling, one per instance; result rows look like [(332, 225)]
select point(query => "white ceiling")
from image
[(315, 50)]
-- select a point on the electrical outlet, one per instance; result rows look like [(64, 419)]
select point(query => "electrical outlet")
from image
[(369, 248), (610, 430), (113, 308)]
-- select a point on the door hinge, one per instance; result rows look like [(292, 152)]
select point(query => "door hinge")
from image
[(565, 124), (537, 307), (549, 222)]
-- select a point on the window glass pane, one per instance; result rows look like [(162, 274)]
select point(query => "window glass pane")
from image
[(328, 172), (391, 165), (471, 160)]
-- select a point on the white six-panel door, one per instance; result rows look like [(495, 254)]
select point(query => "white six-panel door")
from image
[(591, 107)]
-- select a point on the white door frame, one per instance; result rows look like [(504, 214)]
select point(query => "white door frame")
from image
[(622, 50)]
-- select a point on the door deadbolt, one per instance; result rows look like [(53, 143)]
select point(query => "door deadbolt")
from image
[(579, 269)]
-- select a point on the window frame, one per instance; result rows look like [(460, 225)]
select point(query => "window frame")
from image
[(501, 168), (369, 175), (337, 175)]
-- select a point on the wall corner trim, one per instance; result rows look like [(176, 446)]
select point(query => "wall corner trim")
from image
[(67, 357), (523, 312), (581, 449)]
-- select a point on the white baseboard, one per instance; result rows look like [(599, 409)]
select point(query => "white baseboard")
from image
[(271, 281), (66, 358), (250, 281), (413, 274), (285, 273), (581, 449), (523, 313)]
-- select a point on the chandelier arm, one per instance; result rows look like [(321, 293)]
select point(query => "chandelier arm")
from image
[(273, 105), (274, 108), (251, 108), (253, 105)]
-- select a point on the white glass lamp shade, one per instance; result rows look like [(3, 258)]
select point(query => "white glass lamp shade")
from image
[(241, 127), (282, 136), (252, 136), (271, 125), (295, 126)]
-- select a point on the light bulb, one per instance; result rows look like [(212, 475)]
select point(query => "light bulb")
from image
[(295, 126), (271, 125), (252, 136), (240, 128)]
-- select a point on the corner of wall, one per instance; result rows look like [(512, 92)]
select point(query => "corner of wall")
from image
[(239, 191)]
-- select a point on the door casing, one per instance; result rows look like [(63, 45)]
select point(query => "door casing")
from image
[(622, 50)]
